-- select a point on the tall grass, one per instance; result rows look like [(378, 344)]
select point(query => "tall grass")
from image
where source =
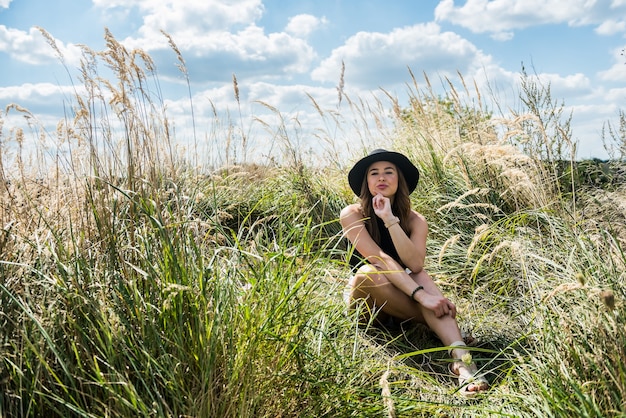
[(134, 283)]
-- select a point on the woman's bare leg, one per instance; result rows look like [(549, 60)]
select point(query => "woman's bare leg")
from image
[(379, 293)]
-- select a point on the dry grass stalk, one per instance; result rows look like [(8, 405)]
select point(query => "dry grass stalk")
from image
[(457, 203), (449, 242), (480, 233), (386, 394), (341, 84)]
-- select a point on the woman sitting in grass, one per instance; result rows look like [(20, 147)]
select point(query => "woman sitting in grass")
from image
[(391, 238)]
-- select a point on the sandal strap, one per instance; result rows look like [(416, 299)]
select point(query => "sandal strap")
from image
[(456, 344)]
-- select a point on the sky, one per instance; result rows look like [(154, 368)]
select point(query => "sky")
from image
[(286, 54)]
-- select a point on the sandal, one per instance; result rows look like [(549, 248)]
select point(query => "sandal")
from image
[(467, 377)]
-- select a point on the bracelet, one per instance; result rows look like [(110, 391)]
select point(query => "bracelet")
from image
[(392, 222), (417, 289)]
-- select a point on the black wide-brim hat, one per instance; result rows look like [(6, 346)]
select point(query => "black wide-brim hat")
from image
[(410, 172)]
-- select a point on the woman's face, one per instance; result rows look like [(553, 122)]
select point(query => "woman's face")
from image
[(382, 178)]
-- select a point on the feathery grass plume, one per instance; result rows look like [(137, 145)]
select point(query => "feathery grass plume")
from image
[(514, 247), (317, 106), (53, 44), (449, 242), (395, 104), (479, 192), (386, 394), (236, 88), (19, 140), (480, 233), (341, 84), (244, 137)]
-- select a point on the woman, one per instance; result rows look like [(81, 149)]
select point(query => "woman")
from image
[(390, 238)]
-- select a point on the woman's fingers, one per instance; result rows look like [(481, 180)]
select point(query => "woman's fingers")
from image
[(446, 308), (381, 205), (452, 310), (378, 201)]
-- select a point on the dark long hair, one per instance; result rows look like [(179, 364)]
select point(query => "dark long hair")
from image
[(401, 207)]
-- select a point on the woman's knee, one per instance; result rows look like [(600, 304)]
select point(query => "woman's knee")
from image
[(357, 286), (365, 284)]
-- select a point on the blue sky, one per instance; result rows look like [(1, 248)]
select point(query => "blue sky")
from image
[(281, 51)]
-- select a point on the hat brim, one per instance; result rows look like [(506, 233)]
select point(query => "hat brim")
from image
[(409, 170)]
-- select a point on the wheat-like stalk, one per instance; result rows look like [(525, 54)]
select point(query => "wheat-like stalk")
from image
[(386, 394)]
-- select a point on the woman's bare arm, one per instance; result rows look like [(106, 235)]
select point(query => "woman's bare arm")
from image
[(354, 229), (411, 248)]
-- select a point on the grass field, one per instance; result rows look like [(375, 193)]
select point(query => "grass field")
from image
[(133, 283)]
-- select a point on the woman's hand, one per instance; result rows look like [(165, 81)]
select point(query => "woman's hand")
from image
[(382, 207), (440, 305)]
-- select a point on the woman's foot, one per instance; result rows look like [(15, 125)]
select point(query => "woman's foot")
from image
[(470, 381)]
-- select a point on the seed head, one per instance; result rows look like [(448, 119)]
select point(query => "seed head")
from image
[(467, 359), (580, 278), (608, 298)]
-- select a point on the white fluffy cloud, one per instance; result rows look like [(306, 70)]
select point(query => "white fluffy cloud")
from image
[(220, 37), (503, 16), (32, 48), (373, 58), (617, 72), (32, 91), (184, 20), (611, 27), (176, 16), (303, 25)]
